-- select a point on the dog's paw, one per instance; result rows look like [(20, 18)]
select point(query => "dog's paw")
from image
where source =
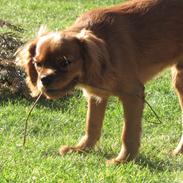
[(65, 150), (114, 162)]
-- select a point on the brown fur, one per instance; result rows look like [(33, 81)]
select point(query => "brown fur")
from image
[(113, 51)]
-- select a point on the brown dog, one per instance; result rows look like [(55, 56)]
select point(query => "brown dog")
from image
[(110, 51)]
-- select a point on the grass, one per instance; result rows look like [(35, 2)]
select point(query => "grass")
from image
[(54, 123)]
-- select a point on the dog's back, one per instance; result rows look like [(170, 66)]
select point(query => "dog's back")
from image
[(147, 32)]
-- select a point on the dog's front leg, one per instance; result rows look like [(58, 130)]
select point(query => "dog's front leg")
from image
[(95, 116), (133, 108)]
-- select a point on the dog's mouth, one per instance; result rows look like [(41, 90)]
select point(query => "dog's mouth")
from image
[(59, 92)]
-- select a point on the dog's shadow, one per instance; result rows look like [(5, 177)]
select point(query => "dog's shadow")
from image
[(159, 165), (153, 164), (59, 104)]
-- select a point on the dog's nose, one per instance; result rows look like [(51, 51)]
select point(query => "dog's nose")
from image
[(46, 80)]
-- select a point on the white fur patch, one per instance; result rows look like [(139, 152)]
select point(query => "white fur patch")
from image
[(40, 86), (87, 92), (83, 34), (49, 71), (53, 37)]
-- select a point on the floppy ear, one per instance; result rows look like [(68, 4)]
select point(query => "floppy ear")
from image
[(95, 54), (24, 59)]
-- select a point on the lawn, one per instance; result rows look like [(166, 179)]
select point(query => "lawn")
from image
[(54, 123)]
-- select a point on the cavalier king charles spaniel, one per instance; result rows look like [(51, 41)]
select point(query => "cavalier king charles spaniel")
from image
[(109, 51)]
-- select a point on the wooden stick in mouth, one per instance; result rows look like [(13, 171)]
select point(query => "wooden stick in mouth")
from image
[(26, 121)]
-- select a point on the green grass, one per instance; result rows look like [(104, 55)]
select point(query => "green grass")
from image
[(54, 123)]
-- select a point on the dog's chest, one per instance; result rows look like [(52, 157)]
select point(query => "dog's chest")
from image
[(93, 92)]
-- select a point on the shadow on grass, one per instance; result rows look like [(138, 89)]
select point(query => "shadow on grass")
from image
[(154, 164), (166, 164), (51, 152), (59, 104)]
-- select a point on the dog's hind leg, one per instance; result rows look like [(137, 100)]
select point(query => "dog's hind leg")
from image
[(94, 121), (177, 78)]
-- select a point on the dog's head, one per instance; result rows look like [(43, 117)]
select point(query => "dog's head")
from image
[(56, 62)]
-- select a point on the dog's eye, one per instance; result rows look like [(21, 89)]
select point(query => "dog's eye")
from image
[(64, 62)]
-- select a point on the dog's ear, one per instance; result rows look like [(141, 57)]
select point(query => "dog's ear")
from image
[(24, 59), (94, 53)]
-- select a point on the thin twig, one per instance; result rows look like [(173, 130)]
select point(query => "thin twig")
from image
[(26, 121), (154, 112), (135, 95)]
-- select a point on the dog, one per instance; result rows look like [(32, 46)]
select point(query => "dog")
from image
[(109, 51)]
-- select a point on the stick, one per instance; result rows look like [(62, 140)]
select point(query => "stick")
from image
[(26, 121)]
